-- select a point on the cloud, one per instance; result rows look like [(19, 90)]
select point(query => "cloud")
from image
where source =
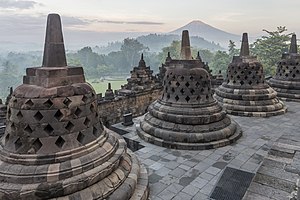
[(128, 22), (19, 4), (228, 17)]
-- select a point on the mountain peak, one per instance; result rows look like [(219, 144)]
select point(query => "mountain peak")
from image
[(197, 22), (208, 32)]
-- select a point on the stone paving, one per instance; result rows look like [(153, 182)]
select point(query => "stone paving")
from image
[(183, 174)]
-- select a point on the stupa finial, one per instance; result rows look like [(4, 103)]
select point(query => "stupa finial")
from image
[(245, 46), (185, 46), (54, 49), (293, 46)]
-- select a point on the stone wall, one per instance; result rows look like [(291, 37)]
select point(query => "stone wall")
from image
[(2, 118), (112, 111)]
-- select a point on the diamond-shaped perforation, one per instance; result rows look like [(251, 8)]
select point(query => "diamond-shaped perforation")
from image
[(18, 143), (48, 129), (78, 112), (69, 126), (6, 138), (92, 108), (67, 102), (60, 142), (187, 98), (176, 97), (182, 91), (37, 144), (38, 116), (13, 127), (198, 98), (58, 115), (84, 99), (191, 78), (80, 137), (19, 115), (87, 122), (187, 84), (8, 113), (29, 103), (197, 84), (28, 129), (242, 82), (192, 91), (177, 84), (48, 103), (96, 133), (182, 78)]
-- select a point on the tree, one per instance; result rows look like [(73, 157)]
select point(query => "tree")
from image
[(131, 48), (174, 49), (233, 51), (220, 62), (270, 48)]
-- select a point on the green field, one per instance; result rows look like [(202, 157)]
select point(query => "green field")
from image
[(101, 86)]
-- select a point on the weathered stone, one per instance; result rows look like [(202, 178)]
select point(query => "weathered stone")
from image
[(54, 145), (244, 91), (187, 116), (141, 80), (286, 81)]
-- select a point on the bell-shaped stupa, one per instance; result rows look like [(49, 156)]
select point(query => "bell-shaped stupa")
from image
[(286, 82), (244, 91), (55, 146), (187, 116)]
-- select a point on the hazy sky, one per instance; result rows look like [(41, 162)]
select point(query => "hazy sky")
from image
[(19, 18)]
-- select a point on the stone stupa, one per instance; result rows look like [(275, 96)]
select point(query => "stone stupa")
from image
[(55, 146), (286, 82), (244, 91), (141, 79), (187, 116)]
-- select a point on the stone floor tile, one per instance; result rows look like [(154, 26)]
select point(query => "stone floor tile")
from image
[(191, 190)]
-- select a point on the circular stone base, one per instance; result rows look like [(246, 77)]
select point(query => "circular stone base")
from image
[(285, 96), (190, 146), (286, 90), (120, 176), (256, 114)]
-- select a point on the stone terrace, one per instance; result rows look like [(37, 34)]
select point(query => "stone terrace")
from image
[(268, 149)]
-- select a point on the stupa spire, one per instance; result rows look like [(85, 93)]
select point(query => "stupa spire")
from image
[(293, 46), (185, 46), (245, 46), (142, 62), (54, 49), (198, 56)]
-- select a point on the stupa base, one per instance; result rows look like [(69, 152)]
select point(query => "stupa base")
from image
[(190, 146)]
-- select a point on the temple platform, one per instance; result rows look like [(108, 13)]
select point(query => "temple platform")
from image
[(263, 164)]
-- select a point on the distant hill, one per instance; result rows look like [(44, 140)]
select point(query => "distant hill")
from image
[(201, 29), (157, 41)]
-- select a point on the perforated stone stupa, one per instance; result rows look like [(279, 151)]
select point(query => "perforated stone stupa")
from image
[(187, 116), (244, 91), (286, 82), (141, 79), (55, 146)]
